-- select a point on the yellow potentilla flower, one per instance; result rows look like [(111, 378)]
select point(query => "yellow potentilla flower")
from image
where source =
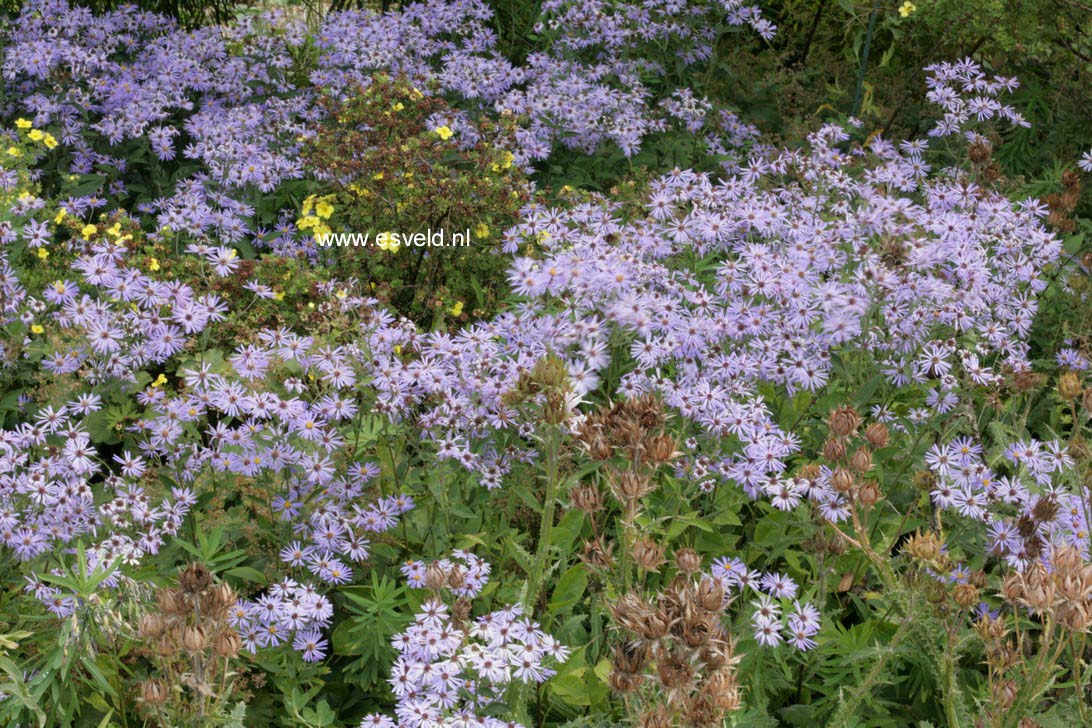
[(114, 229), (308, 221), (153, 264), (36, 135), (14, 151), (88, 231), (159, 381), (60, 216), (308, 203), (397, 348), (457, 309), (482, 230), (443, 132), (49, 141), (388, 241), (278, 296), (377, 175), (43, 253), (399, 106), (23, 124), (324, 209), (37, 329), (322, 228), (505, 162), (906, 8)]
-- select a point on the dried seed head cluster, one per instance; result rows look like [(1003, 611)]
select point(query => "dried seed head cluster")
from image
[(632, 429), (850, 451), (547, 382), (1060, 591), (628, 438), (189, 640), (677, 658)]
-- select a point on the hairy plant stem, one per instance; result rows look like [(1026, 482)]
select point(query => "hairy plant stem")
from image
[(538, 568), (949, 682)]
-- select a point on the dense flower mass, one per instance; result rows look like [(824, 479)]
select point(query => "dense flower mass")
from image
[(452, 667), (788, 406)]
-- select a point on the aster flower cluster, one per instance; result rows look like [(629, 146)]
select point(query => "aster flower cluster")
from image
[(934, 278), (234, 93), (288, 612), (453, 666), (771, 625), (1027, 510)]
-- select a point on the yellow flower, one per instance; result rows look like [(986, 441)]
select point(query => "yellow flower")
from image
[(324, 209), (377, 175), (388, 241), (307, 221), (60, 216), (37, 329), (23, 124), (14, 151), (49, 141), (482, 230), (906, 8), (36, 135), (114, 229), (443, 132), (153, 264), (505, 164), (43, 253), (456, 309), (159, 381), (397, 348), (278, 296), (88, 231)]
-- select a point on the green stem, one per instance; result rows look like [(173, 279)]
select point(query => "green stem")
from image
[(534, 579), (864, 59)]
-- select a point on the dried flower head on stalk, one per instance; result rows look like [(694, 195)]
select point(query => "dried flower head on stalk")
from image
[(189, 639), (675, 656)]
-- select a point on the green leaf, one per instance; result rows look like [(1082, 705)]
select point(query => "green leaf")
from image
[(570, 588)]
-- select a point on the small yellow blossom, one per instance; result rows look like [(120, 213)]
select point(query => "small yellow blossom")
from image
[(397, 348), (388, 241), (159, 381), (399, 106), (14, 151), (60, 216), (23, 124), (457, 309), (36, 135), (481, 230), (114, 229), (37, 329), (49, 141), (153, 264), (443, 132), (377, 176), (505, 163), (88, 231), (906, 8), (43, 253), (324, 209), (278, 296)]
